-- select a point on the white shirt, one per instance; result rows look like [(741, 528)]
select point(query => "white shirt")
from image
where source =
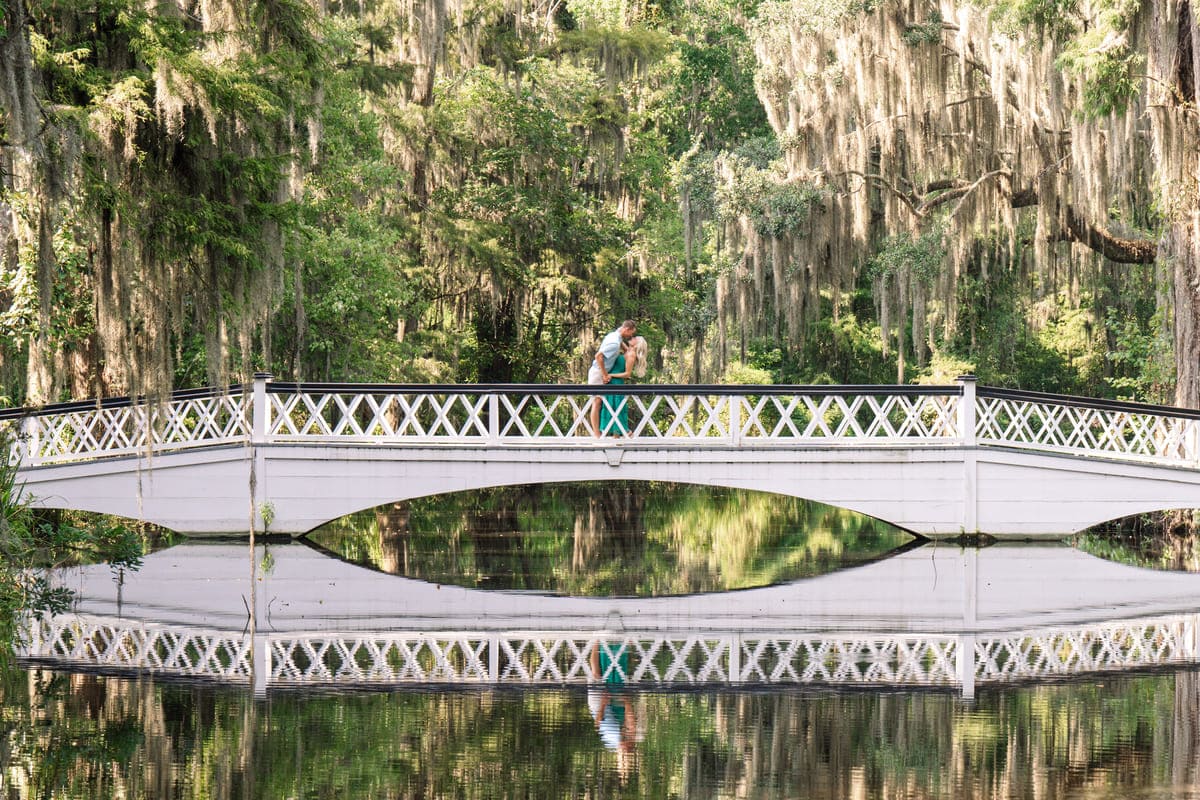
[(610, 348)]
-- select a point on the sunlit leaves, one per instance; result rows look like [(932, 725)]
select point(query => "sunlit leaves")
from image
[(921, 256)]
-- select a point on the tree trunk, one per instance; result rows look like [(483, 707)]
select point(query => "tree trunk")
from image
[(1173, 63)]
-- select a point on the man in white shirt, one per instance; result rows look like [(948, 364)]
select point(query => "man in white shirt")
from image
[(610, 348)]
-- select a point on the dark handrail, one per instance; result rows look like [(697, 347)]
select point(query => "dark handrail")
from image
[(120, 402), (625, 388), (1087, 402), (637, 388)]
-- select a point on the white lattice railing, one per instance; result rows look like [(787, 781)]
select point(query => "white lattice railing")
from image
[(863, 415), (722, 416), (556, 658), (11, 433), (85, 430), (1131, 644), (559, 658), (1041, 422), (104, 642)]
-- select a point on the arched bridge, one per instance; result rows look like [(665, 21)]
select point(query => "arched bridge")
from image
[(940, 461)]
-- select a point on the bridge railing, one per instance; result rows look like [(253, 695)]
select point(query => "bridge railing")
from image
[(721, 416), (1061, 423), (130, 426), (683, 414), (650, 658)]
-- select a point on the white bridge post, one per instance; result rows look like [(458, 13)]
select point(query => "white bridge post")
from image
[(966, 433), (493, 419), (964, 657), (260, 663), (28, 447), (260, 422), (735, 420), (965, 652)]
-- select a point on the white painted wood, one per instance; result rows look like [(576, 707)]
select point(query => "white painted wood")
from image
[(930, 616), (937, 465), (1019, 494)]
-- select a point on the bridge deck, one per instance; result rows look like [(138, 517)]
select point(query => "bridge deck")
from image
[(939, 461)]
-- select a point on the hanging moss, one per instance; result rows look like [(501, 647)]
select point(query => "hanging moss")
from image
[(984, 117)]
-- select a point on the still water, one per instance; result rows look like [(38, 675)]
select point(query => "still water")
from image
[(618, 641)]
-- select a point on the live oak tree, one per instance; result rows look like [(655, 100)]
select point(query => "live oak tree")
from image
[(915, 135), (470, 189)]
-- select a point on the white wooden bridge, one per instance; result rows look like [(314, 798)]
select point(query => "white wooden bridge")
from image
[(929, 617), (940, 461)]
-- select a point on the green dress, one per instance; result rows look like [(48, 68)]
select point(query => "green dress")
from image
[(614, 411)]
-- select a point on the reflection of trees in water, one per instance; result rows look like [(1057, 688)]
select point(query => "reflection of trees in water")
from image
[(1154, 549), (608, 526), (1185, 758), (391, 521), (93, 737), (1160, 540), (609, 538)]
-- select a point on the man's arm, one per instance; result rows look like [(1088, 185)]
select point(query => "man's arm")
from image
[(600, 364)]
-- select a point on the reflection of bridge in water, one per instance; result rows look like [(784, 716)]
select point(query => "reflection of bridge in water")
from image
[(935, 460), (932, 616)]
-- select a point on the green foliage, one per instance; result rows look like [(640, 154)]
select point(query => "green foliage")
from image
[(756, 189), (785, 209), (348, 257), (1056, 19), (928, 32), (1095, 43), (1109, 68), (842, 348), (617, 51), (997, 337), (778, 17), (738, 373), (944, 368), (710, 89), (1141, 356), (480, 233), (31, 541), (921, 256)]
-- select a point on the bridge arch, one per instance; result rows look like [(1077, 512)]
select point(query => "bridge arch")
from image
[(610, 477)]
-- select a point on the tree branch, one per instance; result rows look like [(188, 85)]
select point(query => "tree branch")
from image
[(1108, 244), (879, 180)]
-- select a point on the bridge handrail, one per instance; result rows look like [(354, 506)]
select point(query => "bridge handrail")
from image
[(659, 412), (131, 426), (1097, 403), (123, 401), (1090, 426), (713, 389), (718, 414)]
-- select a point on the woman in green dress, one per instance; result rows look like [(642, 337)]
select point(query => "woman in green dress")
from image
[(614, 411)]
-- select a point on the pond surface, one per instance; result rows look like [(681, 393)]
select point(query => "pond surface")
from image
[(612, 538), (582, 641), (87, 736)]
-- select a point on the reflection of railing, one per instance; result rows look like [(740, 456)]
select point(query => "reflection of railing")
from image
[(114, 643), (556, 658), (721, 416)]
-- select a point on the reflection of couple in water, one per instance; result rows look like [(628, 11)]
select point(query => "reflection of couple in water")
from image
[(621, 355), (612, 706)]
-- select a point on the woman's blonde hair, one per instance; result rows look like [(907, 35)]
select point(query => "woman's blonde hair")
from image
[(639, 346)]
